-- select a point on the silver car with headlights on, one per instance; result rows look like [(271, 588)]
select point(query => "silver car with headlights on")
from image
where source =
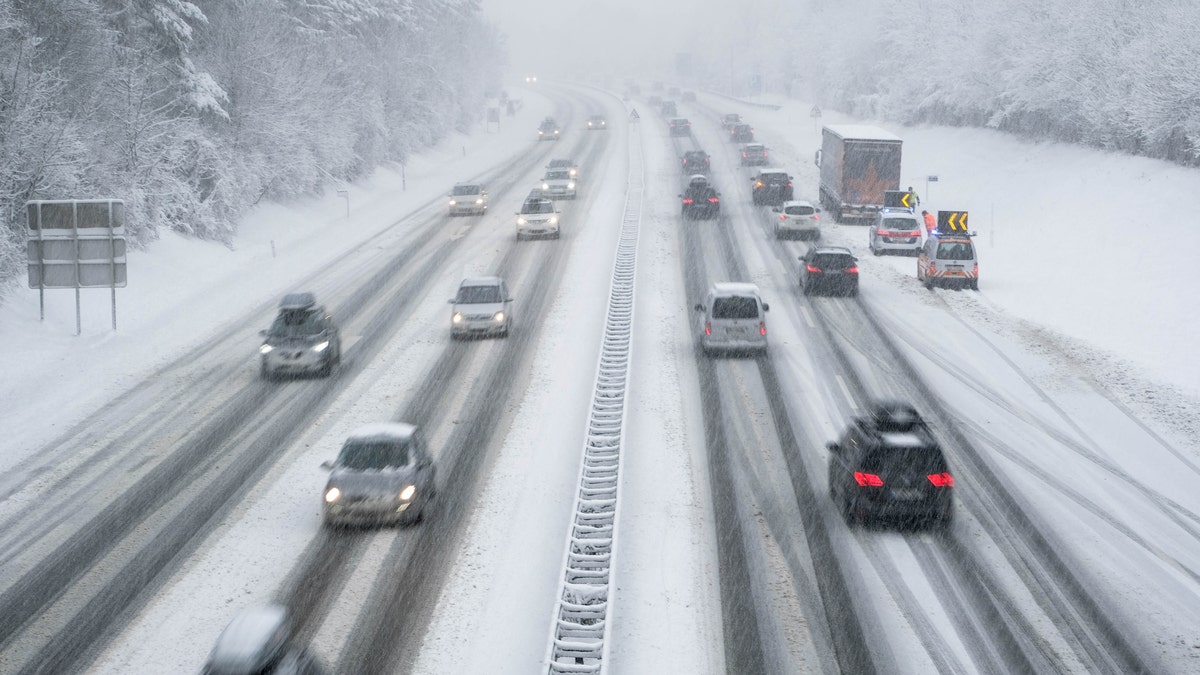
[(538, 217), (468, 199), (382, 475), (302, 339), (481, 307)]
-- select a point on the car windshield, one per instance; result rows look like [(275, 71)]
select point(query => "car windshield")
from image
[(735, 307), (558, 175), (556, 163), (367, 455), (956, 250), (899, 224), (296, 323), (469, 295), (916, 460), (466, 190), (833, 261), (539, 206), (799, 210)]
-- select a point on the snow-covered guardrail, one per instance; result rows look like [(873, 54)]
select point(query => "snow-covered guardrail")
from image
[(579, 630)]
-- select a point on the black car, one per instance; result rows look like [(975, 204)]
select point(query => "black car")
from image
[(888, 466), (679, 126), (548, 130), (829, 269), (741, 133), (695, 161), (728, 120), (700, 201), (302, 339), (772, 187), (669, 109)]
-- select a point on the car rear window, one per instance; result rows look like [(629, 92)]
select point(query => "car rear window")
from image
[(363, 455), (956, 250), (799, 210), (735, 307), (774, 178), (919, 460), (833, 261), (899, 224), (477, 294)]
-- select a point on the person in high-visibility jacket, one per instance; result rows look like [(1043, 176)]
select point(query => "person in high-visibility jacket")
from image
[(930, 222)]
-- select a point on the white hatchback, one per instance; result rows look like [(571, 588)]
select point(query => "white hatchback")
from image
[(797, 219)]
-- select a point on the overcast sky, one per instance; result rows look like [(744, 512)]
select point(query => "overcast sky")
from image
[(626, 38)]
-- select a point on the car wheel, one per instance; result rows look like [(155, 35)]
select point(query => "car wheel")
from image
[(558, 234), (974, 284), (875, 251), (854, 292), (849, 512), (519, 237)]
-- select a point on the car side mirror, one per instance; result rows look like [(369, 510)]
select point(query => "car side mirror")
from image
[(327, 465), (777, 210), (816, 210), (766, 307), (833, 447)]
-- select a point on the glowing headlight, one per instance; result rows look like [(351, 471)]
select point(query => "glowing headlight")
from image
[(453, 202), (554, 220), (408, 492), (321, 346), (571, 185), (479, 200), (457, 318), (545, 186), (265, 349), (573, 172), (332, 495), (521, 221), (498, 317), (540, 132)]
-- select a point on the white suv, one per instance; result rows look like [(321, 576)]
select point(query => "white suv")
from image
[(799, 219), (538, 217), (481, 307), (733, 319)]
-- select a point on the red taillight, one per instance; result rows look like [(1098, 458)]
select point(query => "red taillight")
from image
[(708, 328), (932, 267), (687, 201), (744, 155), (789, 184), (884, 233), (762, 327), (852, 270), (976, 270), (813, 269), (713, 200), (816, 217), (758, 184), (868, 479), (764, 153), (941, 479), (783, 216)]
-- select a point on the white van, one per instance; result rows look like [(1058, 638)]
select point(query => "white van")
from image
[(733, 319)]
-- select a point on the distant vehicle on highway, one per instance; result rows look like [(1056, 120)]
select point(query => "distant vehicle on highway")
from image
[(888, 466), (302, 339), (728, 120), (259, 641), (797, 218), (700, 201), (679, 126), (688, 97), (597, 123), (382, 475), (829, 269), (772, 187), (558, 184), (741, 133), (948, 260), (548, 131), (895, 230), (538, 217), (563, 163), (695, 162), (468, 199), (754, 154), (669, 109)]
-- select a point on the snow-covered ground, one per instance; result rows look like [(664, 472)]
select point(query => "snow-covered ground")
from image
[(1081, 282)]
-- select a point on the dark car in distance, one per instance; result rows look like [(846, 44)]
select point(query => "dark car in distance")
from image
[(829, 269), (888, 466), (302, 339), (700, 201), (772, 187), (695, 161), (741, 133)]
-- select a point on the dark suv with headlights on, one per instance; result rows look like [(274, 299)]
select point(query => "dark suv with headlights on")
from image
[(888, 466), (772, 187), (302, 339)]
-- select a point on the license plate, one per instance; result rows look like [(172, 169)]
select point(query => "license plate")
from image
[(906, 494)]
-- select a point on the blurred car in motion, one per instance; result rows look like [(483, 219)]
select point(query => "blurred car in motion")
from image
[(695, 162), (481, 307), (597, 123), (383, 474), (302, 339), (888, 465), (741, 133), (829, 269), (700, 201), (772, 187), (895, 230), (688, 97), (733, 319), (548, 130), (558, 184), (655, 101), (672, 91), (563, 163), (468, 199), (798, 219), (728, 120), (679, 126), (259, 642), (669, 109), (948, 261), (754, 154), (538, 217), (530, 79)]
